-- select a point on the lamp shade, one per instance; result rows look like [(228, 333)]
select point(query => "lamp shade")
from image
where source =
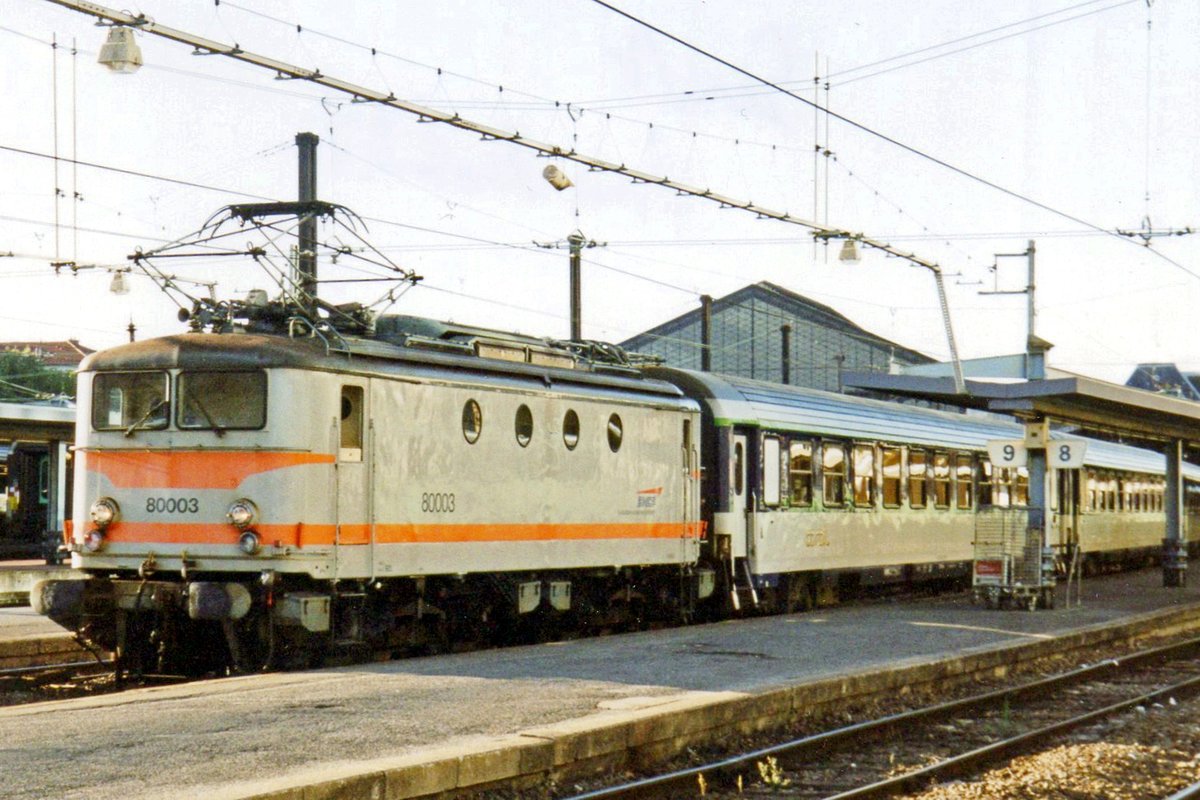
[(119, 285), (849, 252), (120, 52)]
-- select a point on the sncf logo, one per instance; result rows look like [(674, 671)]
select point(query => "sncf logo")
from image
[(648, 498)]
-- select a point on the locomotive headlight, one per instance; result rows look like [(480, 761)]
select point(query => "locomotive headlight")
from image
[(104, 512), (250, 543), (93, 540), (242, 514)]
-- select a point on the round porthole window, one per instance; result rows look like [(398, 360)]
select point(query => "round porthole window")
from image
[(615, 433), (524, 426), (472, 421), (570, 429)]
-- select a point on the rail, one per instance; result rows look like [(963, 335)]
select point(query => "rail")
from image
[(687, 780)]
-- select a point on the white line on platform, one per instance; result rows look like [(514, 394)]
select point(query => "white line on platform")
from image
[(1024, 634)]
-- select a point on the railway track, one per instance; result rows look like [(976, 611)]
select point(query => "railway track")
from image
[(33, 684), (907, 752)]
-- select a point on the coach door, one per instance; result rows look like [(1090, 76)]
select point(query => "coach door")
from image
[(1065, 531), (739, 490), (353, 531)]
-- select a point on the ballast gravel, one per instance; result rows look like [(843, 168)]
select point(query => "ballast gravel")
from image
[(1150, 753)]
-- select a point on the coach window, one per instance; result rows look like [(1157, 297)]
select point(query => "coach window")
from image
[(523, 425), (833, 467), (1020, 495), (739, 469), (864, 475), (917, 472), (570, 429), (615, 433), (800, 472), (351, 424), (964, 468), (891, 457), (472, 421), (985, 483), (771, 477), (1003, 487), (941, 480)]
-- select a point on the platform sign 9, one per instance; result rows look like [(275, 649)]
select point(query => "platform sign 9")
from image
[(1008, 452), (1065, 453)]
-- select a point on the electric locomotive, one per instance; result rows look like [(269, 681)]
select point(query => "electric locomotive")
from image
[(247, 499)]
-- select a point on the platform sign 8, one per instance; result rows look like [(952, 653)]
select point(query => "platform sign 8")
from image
[(1065, 453)]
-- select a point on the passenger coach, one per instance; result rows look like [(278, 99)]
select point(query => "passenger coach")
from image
[(810, 493)]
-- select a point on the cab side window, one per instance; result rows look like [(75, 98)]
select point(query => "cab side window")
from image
[(350, 424)]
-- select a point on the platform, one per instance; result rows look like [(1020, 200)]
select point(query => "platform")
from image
[(16, 577), (465, 716)]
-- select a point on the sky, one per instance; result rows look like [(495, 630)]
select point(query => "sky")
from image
[(977, 127)]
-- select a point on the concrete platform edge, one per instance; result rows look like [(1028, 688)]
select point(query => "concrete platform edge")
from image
[(616, 740)]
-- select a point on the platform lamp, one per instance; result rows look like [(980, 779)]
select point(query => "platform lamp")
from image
[(119, 284), (850, 254), (576, 242), (120, 51)]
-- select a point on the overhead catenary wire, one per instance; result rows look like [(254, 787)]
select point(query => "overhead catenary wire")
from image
[(884, 137), (714, 93)]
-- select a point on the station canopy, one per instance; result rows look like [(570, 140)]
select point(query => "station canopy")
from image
[(1097, 408)]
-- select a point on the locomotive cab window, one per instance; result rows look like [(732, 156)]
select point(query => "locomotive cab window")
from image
[(222, 401), (350, 424), (129, 401)]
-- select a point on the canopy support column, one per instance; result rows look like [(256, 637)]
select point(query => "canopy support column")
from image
[(1174, 555)]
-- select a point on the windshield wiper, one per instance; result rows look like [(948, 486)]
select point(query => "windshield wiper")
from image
[(149, 413), (212, 423)]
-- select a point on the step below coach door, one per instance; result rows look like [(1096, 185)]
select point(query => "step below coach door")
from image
[(353, 531)]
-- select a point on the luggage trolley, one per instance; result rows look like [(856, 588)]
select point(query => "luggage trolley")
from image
[(1008, 570), (1014, 560)]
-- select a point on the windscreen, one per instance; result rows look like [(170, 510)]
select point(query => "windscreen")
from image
[(129, 401), (222, 400)]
